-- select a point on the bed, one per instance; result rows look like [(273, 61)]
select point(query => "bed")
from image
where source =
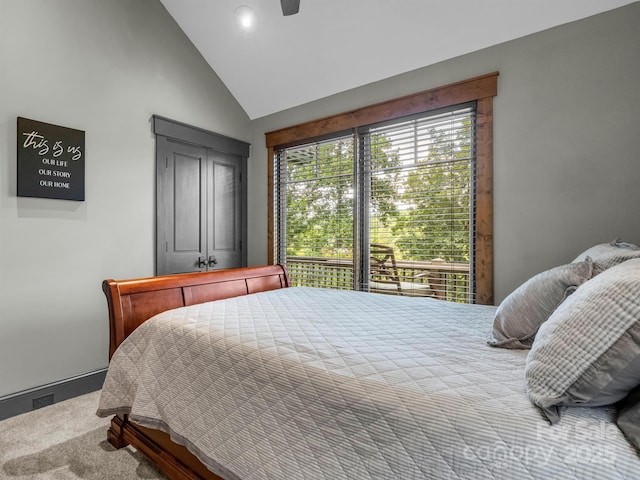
[(238, 375)]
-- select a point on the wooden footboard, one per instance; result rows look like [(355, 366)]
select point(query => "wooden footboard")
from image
[(132, 302)]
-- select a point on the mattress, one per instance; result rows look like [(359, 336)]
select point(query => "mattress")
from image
[(306, 383)]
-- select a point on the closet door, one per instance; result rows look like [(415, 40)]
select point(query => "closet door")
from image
[(224, 231), (201, 199), (182, 196)]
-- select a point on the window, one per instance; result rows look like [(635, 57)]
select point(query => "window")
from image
[(421, 201), (399, 202), (315, 230)]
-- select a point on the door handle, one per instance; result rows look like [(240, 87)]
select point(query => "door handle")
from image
[(212, 261), (202, 263)]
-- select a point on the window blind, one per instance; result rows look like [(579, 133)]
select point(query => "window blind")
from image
[(422, 180), (315, 185), (404, 187)]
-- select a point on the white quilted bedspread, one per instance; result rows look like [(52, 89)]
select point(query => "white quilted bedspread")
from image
[(304, 383)]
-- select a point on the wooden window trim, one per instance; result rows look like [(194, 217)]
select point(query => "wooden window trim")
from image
[(480, 89)]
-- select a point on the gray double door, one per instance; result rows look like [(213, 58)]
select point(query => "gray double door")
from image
[(199, 208)]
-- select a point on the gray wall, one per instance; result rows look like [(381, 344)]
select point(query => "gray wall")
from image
[(104, 67), (567, 169)]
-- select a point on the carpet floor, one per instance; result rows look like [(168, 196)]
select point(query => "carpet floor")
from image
[(67, 441)]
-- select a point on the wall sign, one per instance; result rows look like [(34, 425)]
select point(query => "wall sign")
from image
[(50, 161)]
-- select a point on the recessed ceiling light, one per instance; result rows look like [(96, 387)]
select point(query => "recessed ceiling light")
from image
[(246, 18)]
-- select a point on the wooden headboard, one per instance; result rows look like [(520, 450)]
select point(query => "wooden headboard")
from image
[(132, 302)]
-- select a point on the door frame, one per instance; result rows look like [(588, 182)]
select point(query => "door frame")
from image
[(182, 132)]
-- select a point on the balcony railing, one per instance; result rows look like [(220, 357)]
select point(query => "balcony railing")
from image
[(445, 280)]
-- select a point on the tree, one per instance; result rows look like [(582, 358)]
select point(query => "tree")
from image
[(320, 196), (420, 177), (436, 221)]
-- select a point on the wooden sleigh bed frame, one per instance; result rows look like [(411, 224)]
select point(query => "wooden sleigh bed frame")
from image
[(132, 302)]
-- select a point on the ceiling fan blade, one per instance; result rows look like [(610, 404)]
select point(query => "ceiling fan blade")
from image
[(290, 7)]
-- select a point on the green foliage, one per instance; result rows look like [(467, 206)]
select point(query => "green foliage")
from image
[(420, 206), (386, 182), (320, 200), (436, 223)]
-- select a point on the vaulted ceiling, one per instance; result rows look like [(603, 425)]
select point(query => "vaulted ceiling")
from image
[(334, 45)]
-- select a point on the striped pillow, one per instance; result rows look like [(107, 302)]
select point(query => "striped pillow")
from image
[(588, 351)]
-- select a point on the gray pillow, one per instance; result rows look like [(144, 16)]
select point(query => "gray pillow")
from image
[(588, 351), (606, 255), (629, 417), (520, 314)]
